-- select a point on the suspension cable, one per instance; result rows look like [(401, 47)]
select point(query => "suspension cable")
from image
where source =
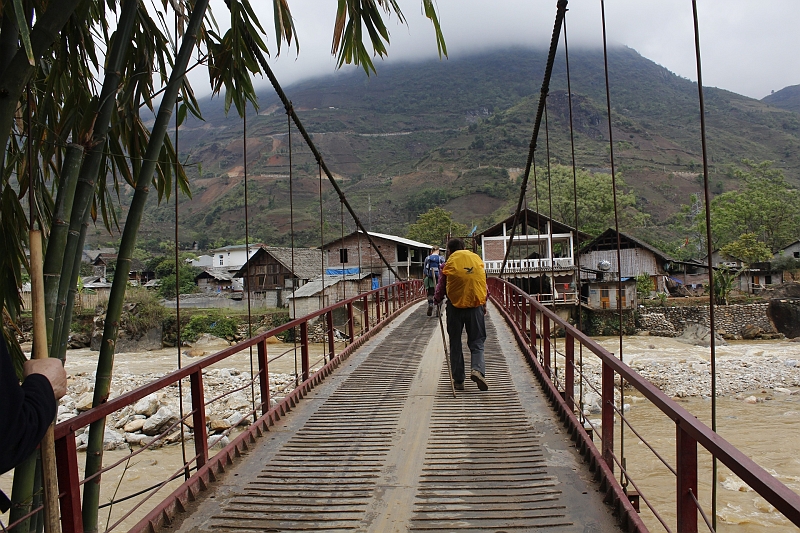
[(577, 247), (322, 243), (550, 242), (249, 265), (623, 476), (560, 11), (712, 325), (291, 233), (178, 340)]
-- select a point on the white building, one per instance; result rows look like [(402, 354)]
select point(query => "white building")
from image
[(233, 257)]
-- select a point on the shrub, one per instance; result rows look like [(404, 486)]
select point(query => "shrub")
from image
[(213, 323)]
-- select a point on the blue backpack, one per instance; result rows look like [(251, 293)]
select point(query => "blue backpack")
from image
[(433, 265)]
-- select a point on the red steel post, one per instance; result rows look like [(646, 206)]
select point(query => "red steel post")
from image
[(686, 459), (69, 484), (199, 417), (569, 370), (365, 314), (377, 306), (546, 344), (329, 320), (607, 388), (386, 301), (263, 375), (351, 327), (304, 349)]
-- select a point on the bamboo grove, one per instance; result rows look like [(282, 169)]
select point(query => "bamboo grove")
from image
[(76, 94)]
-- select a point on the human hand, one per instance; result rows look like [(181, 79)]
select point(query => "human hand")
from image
[(52, 369)]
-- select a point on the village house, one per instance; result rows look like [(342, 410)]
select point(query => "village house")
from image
[(101, 263), (234, 256), (272, 272), (752, 278), (541, 260), (601, 275), (322, 292), (353, 254), (217, 280)]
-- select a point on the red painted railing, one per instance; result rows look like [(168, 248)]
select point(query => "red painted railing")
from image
[(532, 322), (377, 307)]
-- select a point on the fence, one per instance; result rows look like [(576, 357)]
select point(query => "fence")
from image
[(532, 325), (82, 300), (377, 308)]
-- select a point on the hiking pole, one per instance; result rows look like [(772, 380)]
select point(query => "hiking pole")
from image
[(446, 352)]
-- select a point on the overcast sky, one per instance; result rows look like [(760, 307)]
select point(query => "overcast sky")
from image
[(748, 46)]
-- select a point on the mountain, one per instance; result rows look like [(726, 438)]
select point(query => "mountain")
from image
[(787, 98), (456, 133)]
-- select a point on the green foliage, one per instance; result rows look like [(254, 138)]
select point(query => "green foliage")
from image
[(748, 249), (164, 267), (423, 200), (141, 312), (595, 200), (213, 323), (723, 284), (434, 226), (644, 286), (767, 206), (786, 263)]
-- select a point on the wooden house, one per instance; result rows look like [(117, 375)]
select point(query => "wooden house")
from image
[(601, 273), (217, 280), (272, 271), (354, 254), (322, 292), (541, 255), (101, 263)]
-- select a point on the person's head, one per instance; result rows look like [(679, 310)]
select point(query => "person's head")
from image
[(435, 250), (454, 245)]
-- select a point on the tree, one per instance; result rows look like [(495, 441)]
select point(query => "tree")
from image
[(644, 286), (594, 198), (765, 206), (434, 226), (723, 284), (748, 248)]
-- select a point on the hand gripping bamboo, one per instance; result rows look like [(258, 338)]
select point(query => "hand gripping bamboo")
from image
[(49, 476)]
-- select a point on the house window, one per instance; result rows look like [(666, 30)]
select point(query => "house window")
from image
[(402, 254), (343, 255), (797, 255), (768, 280), (221, 260)]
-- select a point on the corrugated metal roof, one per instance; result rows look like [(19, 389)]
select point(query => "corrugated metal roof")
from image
[(385, 236), (315, 286)]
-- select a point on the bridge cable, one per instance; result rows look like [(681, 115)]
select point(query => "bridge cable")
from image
[(248, 263), (322, 245), (539, 248), (712, 325), (289, 112), (561, 9), (577, 246), (321, 162), (178, 340), (550, 243), (623, 476)]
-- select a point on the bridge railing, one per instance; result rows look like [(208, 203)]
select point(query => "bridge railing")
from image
[(376, 308), (534, 326)]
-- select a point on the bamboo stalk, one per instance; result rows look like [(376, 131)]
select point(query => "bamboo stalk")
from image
[(105, 363), (55, 256), (50, 480)]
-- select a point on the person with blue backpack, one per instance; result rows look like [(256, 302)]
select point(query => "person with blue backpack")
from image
[(430, 270)]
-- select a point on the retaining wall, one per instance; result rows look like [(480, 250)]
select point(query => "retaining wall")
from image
[(729, 319)]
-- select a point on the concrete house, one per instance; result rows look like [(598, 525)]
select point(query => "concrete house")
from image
[(320, 293), (353, 254), (542, 255), (232, 257)]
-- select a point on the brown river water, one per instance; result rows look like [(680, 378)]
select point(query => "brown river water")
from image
[(768, 430)]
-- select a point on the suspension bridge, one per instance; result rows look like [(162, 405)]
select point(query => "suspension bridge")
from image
[(371, 438)]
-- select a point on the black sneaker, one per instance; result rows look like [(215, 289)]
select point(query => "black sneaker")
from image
[(430, 310), (478, 378), (459, 385)]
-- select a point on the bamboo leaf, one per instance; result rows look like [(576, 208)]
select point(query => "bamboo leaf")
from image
[(24, 30)]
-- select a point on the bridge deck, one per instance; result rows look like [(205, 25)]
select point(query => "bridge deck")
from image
[(383, 446)]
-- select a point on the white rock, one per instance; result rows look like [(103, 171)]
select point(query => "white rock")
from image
[(147, 406), (790, 362), (84, 403), (159, 422), (134, 425), (237, 401), (235, 419), (218, 441), (751, 399)]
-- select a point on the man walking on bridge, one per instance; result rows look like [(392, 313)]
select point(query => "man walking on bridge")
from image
[(463, 279)]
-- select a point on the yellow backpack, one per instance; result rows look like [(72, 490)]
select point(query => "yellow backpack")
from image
[(466, 279)]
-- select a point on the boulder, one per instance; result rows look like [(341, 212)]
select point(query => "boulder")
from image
[(84, 403), (134, 425), (159, 422), (237, 401), (784, 313), (218, 426), (699, 335), (751, 331), (147, 406)]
